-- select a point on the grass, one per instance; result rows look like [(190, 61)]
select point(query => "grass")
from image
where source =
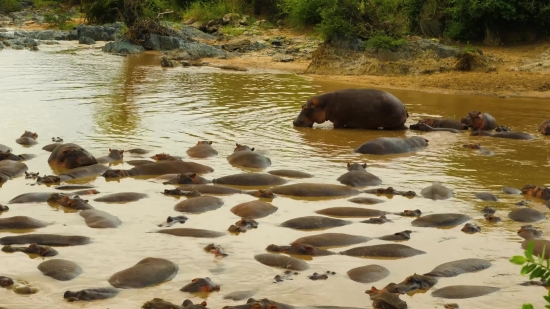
[(382, 41), (230, 30), (205, 12)]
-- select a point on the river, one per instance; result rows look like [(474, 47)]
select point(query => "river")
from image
[(102, 101)]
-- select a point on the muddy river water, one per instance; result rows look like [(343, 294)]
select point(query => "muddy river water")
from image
[(102, 101)]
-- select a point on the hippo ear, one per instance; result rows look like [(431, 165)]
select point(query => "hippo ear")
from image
[(252, 149), (313, 103), (193, 175), (121, 151), (195, 280), (203, 304), (348, 165), (110, 150), (210, 143), (238, 145), (364, 165)]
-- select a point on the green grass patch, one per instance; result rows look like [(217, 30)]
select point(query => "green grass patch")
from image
[(383, 41), (230, 30), (8, 6), (470, 48), (206, 11)]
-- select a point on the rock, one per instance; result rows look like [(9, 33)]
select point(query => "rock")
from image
[(192, 32), (161, 42), (194, 51), (244, 21), (86, 40), (166, 63), (3, 30), (228, 18), (473, 62), (240, 46), (123, 47), (431, 28), (282, 58), (1, 46)]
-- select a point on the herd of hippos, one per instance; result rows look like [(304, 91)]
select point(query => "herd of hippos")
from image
[(349, 108)]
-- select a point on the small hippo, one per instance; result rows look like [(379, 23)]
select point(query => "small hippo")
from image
[(510, 135), (8, 155), (478, 147), (71, 156), (216, 249), (243, 225), (427, 128), (544, 127), (392, 145), (297, 248), (200, 285), (471, 228), (187, 178), (147, 272), (43, 251), (443, 123), (369, 109), (180, 192), (203, 149), (27, 139), (479, 121), (357, 176), (529, 232), (59, 269), (399, 236), (536, 191), (114, 156), (173, 220), (91, 294), (411, 284), (368, 274), (244, 156)]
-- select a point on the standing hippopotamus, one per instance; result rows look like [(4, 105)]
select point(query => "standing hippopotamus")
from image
[(114, 155), (544, 127), (392, 145), (510, 135), (71, 156), (203, 149), (479, 121), (443, 123), (369, 109), (27, 139), (357, 176), (245, 156)]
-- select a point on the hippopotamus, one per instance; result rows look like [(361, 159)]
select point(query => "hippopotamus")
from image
[(327, 240), (440, 220), (380, 220), (399, 236), (122, 197), (244, 156), (442, 123), (357, 176), (261, 304), (314, 223), (173, 220), (527, 215), (369, 109), (45, 240), (486, 196), (254, 209), (199, 204), (488, 210), (350, 212), (529, 232), (392, 145), (250, 179), (188, 232), (59, 269), (471, 228), (8, 155), (411, 284), (427, 128), (503, 129), (138, 162), (43, 251), (185, 179), (51, 147), (31, 175), (63, 200), (455, 268), (492, 218), (27, 139), (368, 274), (510, 190), (10, 169), (261, 193), (544, 127), (240, 295), (282, 261), (297, 248), (48, 180), (70, 156), (180, 192), (539, 245), (32, 197), (315, 190), (99, 219), (114, 156), (203, 149), (200, 285), (90, 294), (210, 189), (366, 200), (464, 291), (4, 208), (409, 213), (243, 225), (83, 172), (390, 191), (21, 223), (290, 174), (159, 303), (138, 151), (437, 191), (165, 157), (478, 147), (5, 148), (383, 251), (160, 168), (534, 191), (74, 187), (216, 249), (510, 135), (147, 272), (479, 121), (382, 299)]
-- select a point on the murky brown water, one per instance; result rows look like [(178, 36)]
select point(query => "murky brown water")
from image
[(101, 101)]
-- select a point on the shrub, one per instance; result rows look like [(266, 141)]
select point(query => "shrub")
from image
[(58, 18), (382, 41), (8, 6), (214, 9)]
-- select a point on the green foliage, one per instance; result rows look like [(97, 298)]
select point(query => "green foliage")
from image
[(58, 19), (537, 267), (470, 48), (8, 6), (214, 9), (382, 41)]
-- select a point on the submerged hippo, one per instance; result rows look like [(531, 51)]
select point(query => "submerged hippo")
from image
[(314, 223), (383, 251), (368, 274), (27, 139), (160, 168), (529, 232), (392, 145), (486, 196), (527, 215), (427, 128), (326, 240), (185, 179), (122, 197), (10, 169), (114, 156), (254, 209), (399, 236), (43, 251), (203, 149), (159, 303), (90, 294), (138, 151), (188, 232), (357, 176), (282, 261), (70, 156), (250, 179), (59, 269), (443, 123), (350, 212), (440, 220), (531, 190), (510, 135), (200, 285), (138, 162), (245, 156), (478, 147), (464, 291), (210, 189), (315, 190), (83, 172), (510, 190), (297, 248), (290, 174), (479, 121), (390, 191), (147, 272), (437, 191), (411, 284), (366, 200), (260, 304), (99, 219), (369, 109), (455, 268), (199, 204), (46, 240), (21, 223), (544, 127)]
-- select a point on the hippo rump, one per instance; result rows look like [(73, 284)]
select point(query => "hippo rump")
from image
[(71, 156), (479, 121), (369, 109), (392, 145), (507, 134), (442, 123), (160, 168), (544, 127), (10, 169)]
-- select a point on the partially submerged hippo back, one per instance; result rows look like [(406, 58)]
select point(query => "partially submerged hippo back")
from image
[(10, 169), (509, 135), (369, 109), (21, 222), (71, 156), (326, 240), (357, 176), (203, 149), (464, 291), (443, 123), (315, 190), (59, 269), (245, 156), (392, 145), (282, 261), (527, 215), (28, 138), (440, 220), (383, 251), (161, 168), (250, 179), (368, 274), (437, 192), (544, 127), (455, 268), (147, 272), (45, 239), (479, 121)]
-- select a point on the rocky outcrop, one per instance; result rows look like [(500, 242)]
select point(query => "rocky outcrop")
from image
[(540, 64), (123, 47)]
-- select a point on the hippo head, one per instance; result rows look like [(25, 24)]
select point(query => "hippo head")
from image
[(404, 234), (188, 178), (413, 283), (529, 232), (201, 285), (73, 157), (356, 166), (9, 156), (204, 143), (472, 146), (474, 120), (492, 218), (420, 126), (312, 112), (429, 121), (112, 174), (31, 175), (471, 228), (5, 281), (252, 303), (55, 198), (412, 213), (188, 304), (275, 248), (161, 157), (48, 179), (30, 134), (503, 129), (302, 249), (116, 154), (36, 249), (264, 193), (216, 249), (242, 147)]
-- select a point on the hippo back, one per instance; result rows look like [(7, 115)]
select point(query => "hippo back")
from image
[(248, 158), (392, 145), (71, 156), (171, 167)]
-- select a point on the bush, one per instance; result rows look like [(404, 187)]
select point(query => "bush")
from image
[(58, 18), (383, 41), (214, 9), (8, 6)]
